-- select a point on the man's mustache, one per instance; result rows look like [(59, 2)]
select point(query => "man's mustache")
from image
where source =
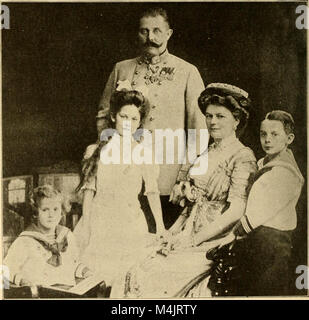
[(152, 44)]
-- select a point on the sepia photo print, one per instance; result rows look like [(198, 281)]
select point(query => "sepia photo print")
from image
[(154, 150)]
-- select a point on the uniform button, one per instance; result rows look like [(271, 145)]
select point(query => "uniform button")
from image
[(136, 72), (139, 62), (151, 118), (133, 83), (153, 107)]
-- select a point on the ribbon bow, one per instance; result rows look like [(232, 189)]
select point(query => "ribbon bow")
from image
[(56, 248), (59, 245)]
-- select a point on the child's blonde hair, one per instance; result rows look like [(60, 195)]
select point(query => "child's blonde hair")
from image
[(42, 192)]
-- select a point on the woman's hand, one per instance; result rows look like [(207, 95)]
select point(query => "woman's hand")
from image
[(176, 196), (183, 241), (160, 228), (165, 243), (163, 235), (227, 239), (171, 242)]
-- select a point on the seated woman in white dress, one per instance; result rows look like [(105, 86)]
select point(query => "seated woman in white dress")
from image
[(113, 231), (46, 252)]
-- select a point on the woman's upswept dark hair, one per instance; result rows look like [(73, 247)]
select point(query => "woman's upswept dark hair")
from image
[(284, 117), (123, 98), (236, 103), (118, 100)]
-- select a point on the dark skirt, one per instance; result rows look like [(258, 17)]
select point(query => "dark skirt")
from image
[(255, 266)]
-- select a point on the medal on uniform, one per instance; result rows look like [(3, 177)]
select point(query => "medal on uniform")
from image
[(156, 75)]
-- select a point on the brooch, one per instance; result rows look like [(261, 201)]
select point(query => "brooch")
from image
[(156, 75)]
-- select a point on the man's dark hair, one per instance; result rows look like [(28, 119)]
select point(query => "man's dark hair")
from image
[(154, 12), (284, 117)]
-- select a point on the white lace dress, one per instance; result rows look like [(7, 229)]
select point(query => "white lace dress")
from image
[(117, 231)]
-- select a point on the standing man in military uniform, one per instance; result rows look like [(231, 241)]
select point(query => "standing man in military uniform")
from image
[(174, 87)]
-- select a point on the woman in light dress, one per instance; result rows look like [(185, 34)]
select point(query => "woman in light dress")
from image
[(215, 201), (113, 231)]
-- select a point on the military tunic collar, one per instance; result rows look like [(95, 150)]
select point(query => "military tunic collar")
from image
[(154, 73), (154, 60)]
